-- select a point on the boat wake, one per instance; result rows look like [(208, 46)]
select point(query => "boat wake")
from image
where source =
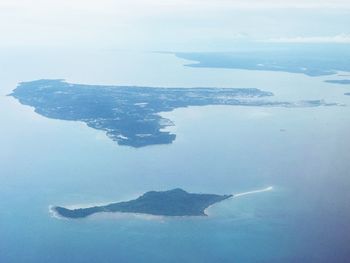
[(270, 188)]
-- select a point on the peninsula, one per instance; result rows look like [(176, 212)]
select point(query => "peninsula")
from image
[(176, 202), (303, 59)]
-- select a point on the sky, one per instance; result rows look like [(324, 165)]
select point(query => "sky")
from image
[(178, 25)]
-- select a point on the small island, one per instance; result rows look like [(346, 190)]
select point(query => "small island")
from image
[(176, 202)]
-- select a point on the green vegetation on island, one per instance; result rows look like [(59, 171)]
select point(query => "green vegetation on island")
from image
[(176, 202)]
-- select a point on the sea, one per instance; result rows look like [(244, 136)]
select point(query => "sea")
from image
[(302, 153)]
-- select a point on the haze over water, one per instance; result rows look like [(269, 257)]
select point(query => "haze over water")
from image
[(303, 153)]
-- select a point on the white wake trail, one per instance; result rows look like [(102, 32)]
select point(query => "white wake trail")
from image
[(270, 188)]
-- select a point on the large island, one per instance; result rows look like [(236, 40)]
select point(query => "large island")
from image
[(176, 202), (131, 115)]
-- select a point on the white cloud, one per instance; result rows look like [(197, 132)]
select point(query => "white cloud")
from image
[(341, 38), (271, 4), (118, 6)]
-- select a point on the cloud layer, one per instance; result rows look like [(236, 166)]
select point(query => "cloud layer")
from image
[(341, 38), (170, 24)]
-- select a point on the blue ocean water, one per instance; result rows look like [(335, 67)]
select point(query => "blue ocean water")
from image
[(302, 152)]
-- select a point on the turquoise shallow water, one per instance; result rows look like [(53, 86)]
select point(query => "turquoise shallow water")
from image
[(302, 152)]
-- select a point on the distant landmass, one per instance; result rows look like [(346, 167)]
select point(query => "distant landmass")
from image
[(130, 115), (339, 81), (347, 94), (176, 202), (311, 60)]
